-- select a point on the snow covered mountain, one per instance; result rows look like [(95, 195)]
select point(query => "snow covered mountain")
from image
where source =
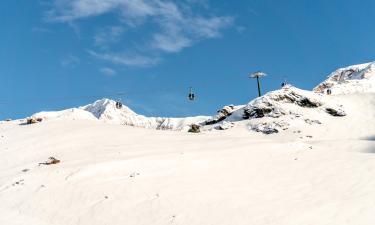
[(270, 113), (105, 110), (352, 79)]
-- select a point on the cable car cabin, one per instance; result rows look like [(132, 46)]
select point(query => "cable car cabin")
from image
[(118, 105), (191, 95)]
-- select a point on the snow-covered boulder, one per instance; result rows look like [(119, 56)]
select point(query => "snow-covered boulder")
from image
[(225, 125), (353, 79), (270, 127), (265, 128)]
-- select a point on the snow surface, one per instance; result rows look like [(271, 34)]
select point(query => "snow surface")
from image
[(316, 169), (68, 114)]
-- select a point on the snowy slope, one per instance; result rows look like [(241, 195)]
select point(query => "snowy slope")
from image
[(68, 114), (115, 174), (352, 79), (316, 165)]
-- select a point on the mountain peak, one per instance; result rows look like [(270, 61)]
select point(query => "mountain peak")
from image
[(351, 79), (106, 108)]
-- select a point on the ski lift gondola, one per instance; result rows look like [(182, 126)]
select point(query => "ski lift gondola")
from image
[(191, 95), (118, 105)]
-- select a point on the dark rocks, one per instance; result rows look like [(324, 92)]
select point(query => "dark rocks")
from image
[(308, 121), (194, 129), (50, 161), (222, 115), (335, 112), (256, 112), (262, 110), (270, 131), (33, 120), (306, 102)]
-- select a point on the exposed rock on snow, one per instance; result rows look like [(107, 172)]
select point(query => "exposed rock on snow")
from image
[(352, 79), (262, 109), (50, 161), (222, 115), (33, 120), (335, 112), (194, 129), (309, 121)]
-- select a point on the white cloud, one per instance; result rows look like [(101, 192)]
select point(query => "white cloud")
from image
[(170, 43), (70, 10), (108, 71), (126, 60), (175, 25)]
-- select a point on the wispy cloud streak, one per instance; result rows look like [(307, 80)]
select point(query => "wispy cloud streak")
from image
[(177, 26)]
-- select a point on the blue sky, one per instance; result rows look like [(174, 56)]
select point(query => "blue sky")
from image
[(56, 54)]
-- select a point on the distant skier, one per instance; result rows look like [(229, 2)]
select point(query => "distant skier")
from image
[(329, 91)]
